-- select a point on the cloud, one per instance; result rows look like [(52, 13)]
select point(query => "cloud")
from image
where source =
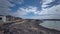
[(48, 13), (24, 11), (52, 10), (5, 4), (4, 7), (45, 2), (45, 13), (17, 1)]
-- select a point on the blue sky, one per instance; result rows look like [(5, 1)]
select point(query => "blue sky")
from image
[(27, 3), (29, 8)]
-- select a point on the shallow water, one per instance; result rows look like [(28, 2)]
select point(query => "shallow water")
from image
[(51, 24)]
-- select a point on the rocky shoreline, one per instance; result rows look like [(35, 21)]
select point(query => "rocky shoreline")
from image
[(26, 27)]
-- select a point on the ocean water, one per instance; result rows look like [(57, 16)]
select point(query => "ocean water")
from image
[(51, 24)]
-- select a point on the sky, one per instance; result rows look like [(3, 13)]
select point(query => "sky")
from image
[(30, 9)]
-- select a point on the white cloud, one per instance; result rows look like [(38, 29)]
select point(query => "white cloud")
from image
[(46, 2), (5, 4), (52, 10), (25, 11), (17, 1), (4, 7), (48, 13), (32, 9), (44, 14)]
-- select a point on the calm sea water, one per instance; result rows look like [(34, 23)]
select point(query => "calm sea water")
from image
[(51, 24)]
